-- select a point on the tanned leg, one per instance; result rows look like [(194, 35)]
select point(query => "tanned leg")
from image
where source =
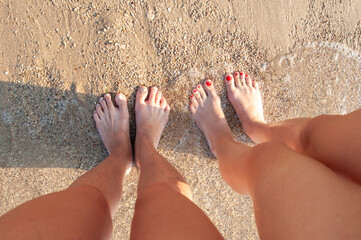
[(164, 209), (83, 211), (294, 196), (333, 140)]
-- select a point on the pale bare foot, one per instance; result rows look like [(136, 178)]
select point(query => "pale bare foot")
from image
[(113, 125), (151, 115), (244, 95), (205, 107)]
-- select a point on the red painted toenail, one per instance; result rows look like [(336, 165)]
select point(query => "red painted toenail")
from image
[(199, 86), (241, 73), (190, 103), (208, 83), (229, 78), (236, 74), (246, 75), (195, 90), (191, 95)]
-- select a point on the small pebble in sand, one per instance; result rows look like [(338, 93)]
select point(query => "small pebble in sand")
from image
[(150, 15), (6, 73)]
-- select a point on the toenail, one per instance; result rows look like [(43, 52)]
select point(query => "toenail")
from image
[(195, 90), (101, 99), (246, 75), (199, 86), (241, 73), (142, 89), (208, 83), (155, 89), (107, 95), (229, 78), (236, 74), (98, 105), (192, 95), (120, 97), (190, 103)]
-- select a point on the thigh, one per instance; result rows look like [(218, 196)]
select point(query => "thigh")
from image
[(77, 213), (163, 213), (297, 197), (336, 142)]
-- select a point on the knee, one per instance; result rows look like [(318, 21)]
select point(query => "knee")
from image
[(158, 188), (310, 131), (268, 151), (91, 198)]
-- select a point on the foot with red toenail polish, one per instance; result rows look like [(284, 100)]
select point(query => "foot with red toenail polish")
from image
[(207, 112), (245, 96)]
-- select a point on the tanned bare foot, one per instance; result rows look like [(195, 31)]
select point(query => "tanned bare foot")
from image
[(244, 95), (113, 125), (205, 107), (151, 115)]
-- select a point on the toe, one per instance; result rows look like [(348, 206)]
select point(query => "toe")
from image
[(103, 104), (96, 117), (108, 100), (163, 102), (197, 95), (99, 110), (167, 108), (229, 81), (192, 108), (208, 86), (153, 93), (242, 80), (194, 101), (158, 96), (201, 91), (121, 101), (248, 80), (142, 94), (255, 84)]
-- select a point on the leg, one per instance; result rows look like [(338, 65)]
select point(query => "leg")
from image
[(83, 211), (294, 196), (164, 209), (333, 140)]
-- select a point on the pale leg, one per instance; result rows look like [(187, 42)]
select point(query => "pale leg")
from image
[(83, 211), (164, 209)]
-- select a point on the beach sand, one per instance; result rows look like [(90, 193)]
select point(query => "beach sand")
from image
[(58, 57)]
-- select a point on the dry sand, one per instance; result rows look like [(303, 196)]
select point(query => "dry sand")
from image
[(58, 57)]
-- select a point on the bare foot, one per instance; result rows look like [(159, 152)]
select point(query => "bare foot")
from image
[(151, 115), (244, 94), (113, 125), (206, 109)]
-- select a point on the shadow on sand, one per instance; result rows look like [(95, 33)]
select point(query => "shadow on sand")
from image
[(45, 127)]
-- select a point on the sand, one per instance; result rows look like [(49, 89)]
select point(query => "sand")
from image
[(58, 57)]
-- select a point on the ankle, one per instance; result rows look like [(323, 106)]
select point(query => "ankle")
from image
[(221, 141), (144, 140), (257, 131)]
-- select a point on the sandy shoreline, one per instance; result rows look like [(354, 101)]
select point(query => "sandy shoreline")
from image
[(58, 57)]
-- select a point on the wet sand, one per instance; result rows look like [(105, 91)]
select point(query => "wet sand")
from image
[(58, 57)]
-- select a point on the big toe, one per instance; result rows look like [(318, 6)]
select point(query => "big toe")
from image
[(141, 94), (121, 101), (229, 80), (209, 87)]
